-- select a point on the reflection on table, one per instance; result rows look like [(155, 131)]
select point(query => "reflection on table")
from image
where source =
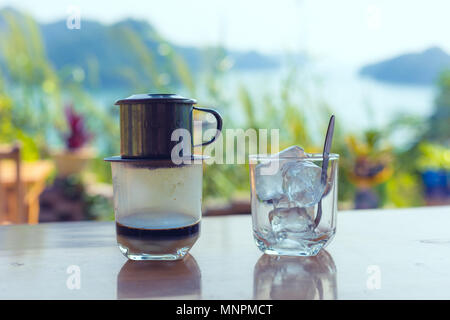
[(282, 277), (160, 280)]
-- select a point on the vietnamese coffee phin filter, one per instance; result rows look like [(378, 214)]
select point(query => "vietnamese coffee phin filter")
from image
[(157, 202)]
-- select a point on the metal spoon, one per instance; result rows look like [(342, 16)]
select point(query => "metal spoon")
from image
[(323, 177)]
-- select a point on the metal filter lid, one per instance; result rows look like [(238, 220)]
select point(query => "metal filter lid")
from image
[(151, 98)]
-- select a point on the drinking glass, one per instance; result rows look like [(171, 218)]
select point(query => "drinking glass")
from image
[(157, 207), (286, 193)]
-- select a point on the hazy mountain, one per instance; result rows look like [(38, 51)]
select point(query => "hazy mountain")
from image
[(413, 68), (111, 55)]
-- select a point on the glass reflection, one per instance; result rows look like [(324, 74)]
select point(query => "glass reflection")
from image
[(283, 277), (160, 280)]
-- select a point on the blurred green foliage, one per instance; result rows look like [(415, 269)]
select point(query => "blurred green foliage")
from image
[(433, 156), (28, 88), (438, 124)]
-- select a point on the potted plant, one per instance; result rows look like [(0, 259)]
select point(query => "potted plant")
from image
[(75, 156), (370, 166), (434, 167)]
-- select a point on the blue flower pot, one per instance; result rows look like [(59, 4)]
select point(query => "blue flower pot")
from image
[(436, 183)]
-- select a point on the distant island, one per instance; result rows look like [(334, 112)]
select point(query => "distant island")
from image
[(421, 68), (111, 55)]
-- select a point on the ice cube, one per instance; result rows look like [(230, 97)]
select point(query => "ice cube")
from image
[(268, 186), (286, 220), (292, 152), (301, 183), (268, 175), (283, 202)]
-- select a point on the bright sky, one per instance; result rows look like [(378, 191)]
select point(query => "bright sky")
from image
[(348, 31)]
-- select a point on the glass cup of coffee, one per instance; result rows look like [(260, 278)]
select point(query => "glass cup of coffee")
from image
[(157, 206)]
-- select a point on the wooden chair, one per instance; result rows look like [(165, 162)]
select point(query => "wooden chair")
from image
[(12, 210)]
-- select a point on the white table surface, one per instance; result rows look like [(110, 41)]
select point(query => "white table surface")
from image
[(376, 254)]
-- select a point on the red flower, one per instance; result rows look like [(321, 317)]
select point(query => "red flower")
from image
[(78, 135)]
